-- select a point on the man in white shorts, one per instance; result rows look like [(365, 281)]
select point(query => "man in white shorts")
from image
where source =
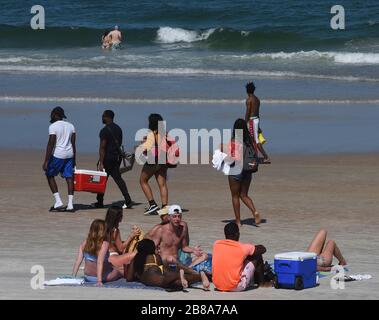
[(60, 158), (252, 118)]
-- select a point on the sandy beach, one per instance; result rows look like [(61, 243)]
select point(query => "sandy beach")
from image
[(297, 195)]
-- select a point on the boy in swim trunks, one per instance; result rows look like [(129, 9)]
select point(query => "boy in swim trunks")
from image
[(252, 118)]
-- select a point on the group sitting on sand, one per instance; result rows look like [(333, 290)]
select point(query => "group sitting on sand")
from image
[(153, 258)]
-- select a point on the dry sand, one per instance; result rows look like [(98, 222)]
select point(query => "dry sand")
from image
[(296, 194)]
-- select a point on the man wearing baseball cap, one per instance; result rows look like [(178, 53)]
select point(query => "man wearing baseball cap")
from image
[(173, 237), (60, 157)]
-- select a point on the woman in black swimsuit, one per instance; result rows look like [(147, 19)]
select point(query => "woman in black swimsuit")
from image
[(147, 267)]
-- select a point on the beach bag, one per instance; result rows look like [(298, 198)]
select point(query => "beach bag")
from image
[(128, 159), (250, 159), (261, 138), (171, 150)]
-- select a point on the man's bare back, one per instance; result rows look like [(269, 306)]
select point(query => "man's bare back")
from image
[(252, 106), (115, 36)]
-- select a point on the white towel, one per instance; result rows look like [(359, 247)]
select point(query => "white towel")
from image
[(64, 281), (360, 277), (218, 162)]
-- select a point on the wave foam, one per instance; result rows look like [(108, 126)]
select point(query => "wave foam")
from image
[(338, 57), (174, 35), (182, 100)]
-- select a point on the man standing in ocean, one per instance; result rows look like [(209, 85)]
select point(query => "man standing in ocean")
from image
[(252, 118), (60, 157), (110, 157), (115, 37)]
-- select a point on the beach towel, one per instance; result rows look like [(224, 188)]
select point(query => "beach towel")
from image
[(62, 281), (80, 282), (218, 162), (360, 277)]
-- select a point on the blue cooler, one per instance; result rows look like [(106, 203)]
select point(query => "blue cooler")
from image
[(296, 270)]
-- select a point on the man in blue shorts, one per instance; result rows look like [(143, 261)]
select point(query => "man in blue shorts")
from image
[(60, 157)]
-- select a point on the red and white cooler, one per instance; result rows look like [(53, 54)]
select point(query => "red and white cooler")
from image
[(90, 181)]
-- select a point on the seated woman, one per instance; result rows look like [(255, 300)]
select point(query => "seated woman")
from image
[(148, 268), (94, 251), (120, 255), (326, 252)]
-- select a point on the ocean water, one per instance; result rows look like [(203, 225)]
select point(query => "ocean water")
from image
[(190, 61), (243, 38)]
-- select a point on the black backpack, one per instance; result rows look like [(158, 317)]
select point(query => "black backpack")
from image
[(250, 159)]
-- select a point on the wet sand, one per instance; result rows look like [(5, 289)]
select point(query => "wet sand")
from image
[(297, 195)]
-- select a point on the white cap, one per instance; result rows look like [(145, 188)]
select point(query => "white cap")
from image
[(174, 209), (116, 27)]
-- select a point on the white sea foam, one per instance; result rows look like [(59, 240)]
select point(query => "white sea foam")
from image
[(181, 100), (173, 35), (13, 60), (356, 58), (338, 57), (179, 72)]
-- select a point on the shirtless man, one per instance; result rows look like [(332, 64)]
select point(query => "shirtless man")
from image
[(252, 118), (115, 38), (172, 236)]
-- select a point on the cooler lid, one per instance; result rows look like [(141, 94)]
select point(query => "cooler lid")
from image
[(295, 256), (91, 172)]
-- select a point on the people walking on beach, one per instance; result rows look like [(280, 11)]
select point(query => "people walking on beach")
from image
[(60, 157), (172, 238), (236, 266), (239, 183), (148, 268), (252, 118), (119, 253), (95, 252), (153, 167), (115, 37), (325, 252), (110, 157)]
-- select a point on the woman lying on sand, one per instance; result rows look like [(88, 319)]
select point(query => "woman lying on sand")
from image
[(94, 251), (148, 268), (325, 254)]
